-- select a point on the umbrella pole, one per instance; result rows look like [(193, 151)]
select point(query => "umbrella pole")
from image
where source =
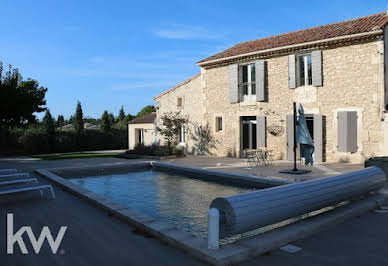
[(295, 169)]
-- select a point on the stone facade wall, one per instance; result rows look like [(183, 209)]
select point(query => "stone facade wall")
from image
[(353, 80), (193, 109)]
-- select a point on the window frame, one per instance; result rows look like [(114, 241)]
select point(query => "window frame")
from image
[(219, 121), (140, 135), (179, 100), (307, 75), (182, 135), (247, 90)]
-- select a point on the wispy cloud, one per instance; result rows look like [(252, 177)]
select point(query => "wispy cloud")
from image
[(186, 32)]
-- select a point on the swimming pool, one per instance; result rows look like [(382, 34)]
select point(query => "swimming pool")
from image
[(170, 197)]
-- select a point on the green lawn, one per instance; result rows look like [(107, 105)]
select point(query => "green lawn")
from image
[(74, 156)]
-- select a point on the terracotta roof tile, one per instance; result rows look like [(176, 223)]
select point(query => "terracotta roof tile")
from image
[(359, 25), (145, 119)]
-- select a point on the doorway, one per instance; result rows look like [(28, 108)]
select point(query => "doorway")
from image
[(316, 125), (310, 125), (249, 133)]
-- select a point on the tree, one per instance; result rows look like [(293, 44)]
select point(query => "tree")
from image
[(60, 121), (121, 116), (19, 99), (129, 117), (112, 118), (105, 122), (48, 123), (171, 123), (146, 110), (49, 127), (71, 119), (78, 121), (204, 141)]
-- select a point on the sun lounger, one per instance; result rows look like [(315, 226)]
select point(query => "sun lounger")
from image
[(16, 180), (27, 187), (7, 171), (20, 175)]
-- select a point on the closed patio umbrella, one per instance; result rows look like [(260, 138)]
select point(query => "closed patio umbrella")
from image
[(303, 137)]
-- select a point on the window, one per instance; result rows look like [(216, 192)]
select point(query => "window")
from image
[(140, 135), (180, 102), (218, 123), (248, 82), (181, 135), (304, 70)]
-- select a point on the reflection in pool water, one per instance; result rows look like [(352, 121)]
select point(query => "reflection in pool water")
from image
[(170, 197)]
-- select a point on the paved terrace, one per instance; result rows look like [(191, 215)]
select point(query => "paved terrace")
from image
[(240, 166), (95, 238)]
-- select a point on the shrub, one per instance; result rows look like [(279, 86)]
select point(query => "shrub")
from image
[(179, 151), (35, 140), (153, 150)]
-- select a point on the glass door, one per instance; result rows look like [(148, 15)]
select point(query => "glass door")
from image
[(249, 133)]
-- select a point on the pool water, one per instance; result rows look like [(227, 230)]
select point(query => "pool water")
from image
[(170, 197)]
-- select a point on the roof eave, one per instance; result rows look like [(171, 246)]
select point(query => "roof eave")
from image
[(293, 46)]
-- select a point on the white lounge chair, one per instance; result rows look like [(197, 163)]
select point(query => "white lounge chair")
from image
[(16, 180), (21, 175), (7, 171), (27, 187)]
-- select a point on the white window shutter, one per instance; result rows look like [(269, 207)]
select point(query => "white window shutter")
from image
[(260, 80), (233, 83), (347, 131), (291, 72), (261, 127), (316, 62), (318, 137)]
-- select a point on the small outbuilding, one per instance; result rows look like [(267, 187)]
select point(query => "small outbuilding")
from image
[(142, 130)]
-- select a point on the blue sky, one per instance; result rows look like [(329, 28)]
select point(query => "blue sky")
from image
[(112, 53)]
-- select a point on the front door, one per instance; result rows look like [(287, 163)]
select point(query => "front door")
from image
[(249, 132)]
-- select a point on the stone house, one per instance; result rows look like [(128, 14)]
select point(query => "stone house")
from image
[(246, 93)]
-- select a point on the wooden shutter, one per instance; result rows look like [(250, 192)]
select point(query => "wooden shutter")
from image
[(291, 72), (347, 131), (261, 129), (260, 80), (318, 138), (233, 83), (316, 62)]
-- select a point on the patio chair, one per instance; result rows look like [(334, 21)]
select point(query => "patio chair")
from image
[(27, 187), (7, 171), (269, 157), (261, 158), (250, 157)]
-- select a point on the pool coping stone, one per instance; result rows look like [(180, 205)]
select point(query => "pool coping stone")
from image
[(197, 246)]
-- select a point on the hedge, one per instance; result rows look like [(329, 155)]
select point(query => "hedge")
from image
[(35, 140)]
